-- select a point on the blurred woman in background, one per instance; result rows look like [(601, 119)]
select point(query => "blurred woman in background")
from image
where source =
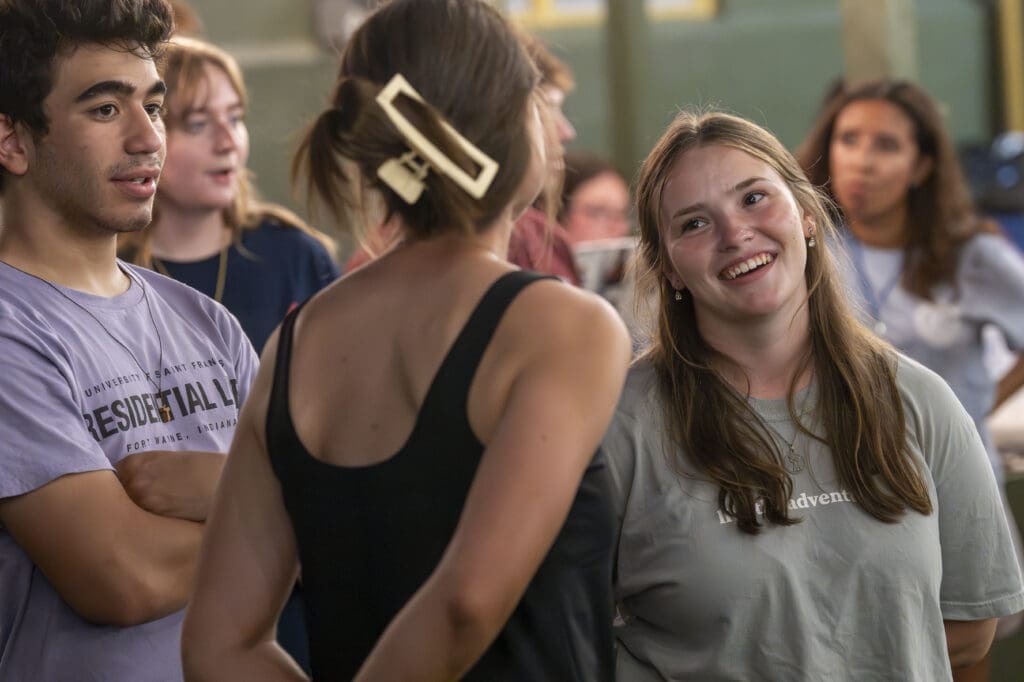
[(209, 230), (538, 242), (932, 274), (594, 213), (595, 199)]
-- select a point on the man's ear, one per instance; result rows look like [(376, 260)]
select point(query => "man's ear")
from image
[(14, 146)]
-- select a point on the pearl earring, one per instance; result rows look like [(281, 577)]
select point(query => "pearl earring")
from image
[(812, 242), (679, 295)]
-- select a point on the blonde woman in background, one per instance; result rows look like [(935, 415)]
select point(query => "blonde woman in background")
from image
[(209, 230)]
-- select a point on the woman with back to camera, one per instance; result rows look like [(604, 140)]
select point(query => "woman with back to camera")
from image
[(794, 497), (929, 270), (208, 230), (427, 456)]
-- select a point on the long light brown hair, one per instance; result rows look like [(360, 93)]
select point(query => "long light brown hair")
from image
[(183, 67), (859, 403), (941, 213)]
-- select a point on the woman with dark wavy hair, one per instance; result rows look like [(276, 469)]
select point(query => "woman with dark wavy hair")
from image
[(930, 270), (931, 274), (427, 457), (794, 497)]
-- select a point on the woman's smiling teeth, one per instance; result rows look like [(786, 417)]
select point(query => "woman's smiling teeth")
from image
[(749, 265)]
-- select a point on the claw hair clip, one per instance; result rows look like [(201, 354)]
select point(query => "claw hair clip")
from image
[(405, 174)]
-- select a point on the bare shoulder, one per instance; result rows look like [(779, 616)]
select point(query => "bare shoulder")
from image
[(551, 316), (560, 303)]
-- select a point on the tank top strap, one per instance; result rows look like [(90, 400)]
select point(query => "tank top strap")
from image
[(280, 430), (450, 390)]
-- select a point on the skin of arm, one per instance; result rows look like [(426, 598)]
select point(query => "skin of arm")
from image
[(554, 417), (177, 484), (248, 563), (1009, 384), (111, 561), (968, 641)]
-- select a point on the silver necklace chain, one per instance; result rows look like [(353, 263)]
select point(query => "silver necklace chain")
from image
[(164, 408), (793, 461)]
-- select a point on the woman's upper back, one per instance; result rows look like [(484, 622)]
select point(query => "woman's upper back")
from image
[(392, 427), (384, 332)]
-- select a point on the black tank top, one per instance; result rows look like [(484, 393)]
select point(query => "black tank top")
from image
[(368, 537)]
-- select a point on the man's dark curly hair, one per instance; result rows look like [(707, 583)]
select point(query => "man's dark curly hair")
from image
[(33, 33)]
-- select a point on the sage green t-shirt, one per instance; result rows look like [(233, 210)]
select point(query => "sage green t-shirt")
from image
[(839, 596)]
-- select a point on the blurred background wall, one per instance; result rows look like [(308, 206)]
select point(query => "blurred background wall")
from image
[(770, 60)]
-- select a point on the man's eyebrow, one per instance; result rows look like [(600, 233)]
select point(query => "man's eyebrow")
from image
[(121, 88), (106, 88)]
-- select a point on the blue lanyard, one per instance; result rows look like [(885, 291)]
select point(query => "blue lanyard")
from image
[(876, 300)]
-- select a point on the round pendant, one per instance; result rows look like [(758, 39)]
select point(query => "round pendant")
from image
[(880, 328)]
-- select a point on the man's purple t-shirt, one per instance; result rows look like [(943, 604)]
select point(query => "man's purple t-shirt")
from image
[(73, 400)]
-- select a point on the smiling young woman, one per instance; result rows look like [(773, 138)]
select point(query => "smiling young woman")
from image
[(784, 481)]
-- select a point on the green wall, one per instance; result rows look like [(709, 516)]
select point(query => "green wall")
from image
[(769, 60)]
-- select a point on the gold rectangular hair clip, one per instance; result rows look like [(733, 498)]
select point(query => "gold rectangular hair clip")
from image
[(404, 175)]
